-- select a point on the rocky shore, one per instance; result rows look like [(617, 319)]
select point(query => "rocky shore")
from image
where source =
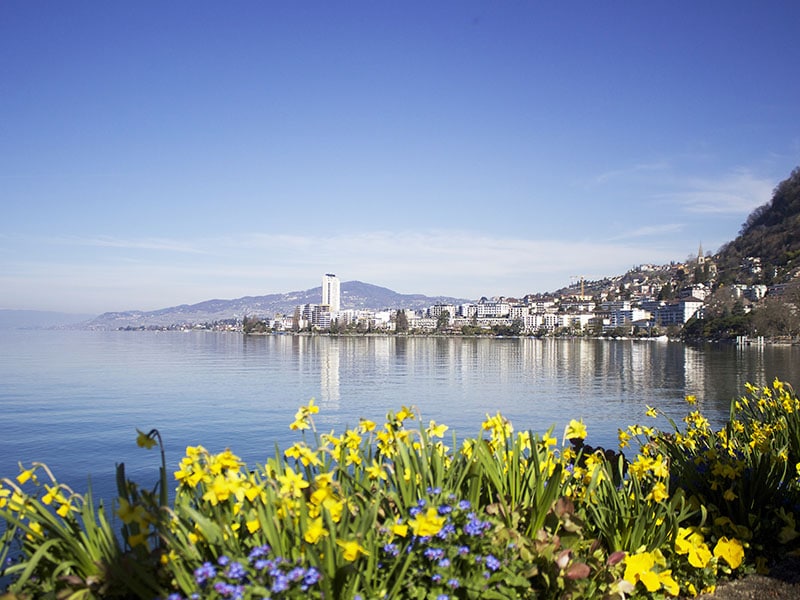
[(782, 583)]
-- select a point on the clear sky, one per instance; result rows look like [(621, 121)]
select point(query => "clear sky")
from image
[(161, 153)]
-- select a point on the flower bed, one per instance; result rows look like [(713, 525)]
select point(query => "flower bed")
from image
[(403, 511)]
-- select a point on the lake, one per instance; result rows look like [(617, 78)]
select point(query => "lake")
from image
[(73, 399)]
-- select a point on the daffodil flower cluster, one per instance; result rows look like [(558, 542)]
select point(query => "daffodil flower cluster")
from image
[(404, 510)]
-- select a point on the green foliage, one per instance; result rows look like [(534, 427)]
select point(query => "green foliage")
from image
[(744, 475), (61, 545), (400, 512)]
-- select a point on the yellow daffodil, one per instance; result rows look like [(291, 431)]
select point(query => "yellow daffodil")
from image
[(304, 454), (427, 524), (351, 550), (53, 493), (548, 440), (658, 493), (144, 440), (292, 484), (26, 475), (399, 529), (63, 510), (315, 531), (435, 430), (575, 430), (624, 437), (135, 513), (375, 471), (365, 425), (35, 530), (253, 525), (405, 413), (300, 422)]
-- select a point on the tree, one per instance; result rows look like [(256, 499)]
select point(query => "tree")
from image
[(401, 321), (774, 317), (443, 321), (254, 325)]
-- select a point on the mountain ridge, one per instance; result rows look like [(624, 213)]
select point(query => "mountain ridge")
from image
[(354, 295)]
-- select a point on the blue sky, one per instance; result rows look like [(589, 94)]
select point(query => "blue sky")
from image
[(160, 153)]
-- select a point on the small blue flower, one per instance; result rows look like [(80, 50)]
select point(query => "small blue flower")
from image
[(463, 550), (464, 505), (475, 527), (444, 563), (204, 573), (453, 583), (281, 584), (262, 563), (312, 577), (223, 560), (446, 531), (492, 562), (436, 578), (235, 570), (434, 554), (226, 590), (258, 552)]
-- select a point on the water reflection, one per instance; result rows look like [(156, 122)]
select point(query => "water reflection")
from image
[(536, 382), (73, 399)]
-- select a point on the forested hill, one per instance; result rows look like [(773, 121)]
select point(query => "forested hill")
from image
[(772, 234)]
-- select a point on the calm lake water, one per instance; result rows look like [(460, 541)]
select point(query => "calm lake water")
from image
[(73, 399)]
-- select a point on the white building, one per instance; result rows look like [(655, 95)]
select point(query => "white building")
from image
[(331, 292), (490, 309), (678, 313)]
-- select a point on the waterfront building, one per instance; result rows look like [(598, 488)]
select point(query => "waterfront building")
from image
[(677, 313), (331, 294)]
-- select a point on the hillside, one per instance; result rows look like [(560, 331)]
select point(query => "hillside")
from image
[(354, 295), (772, 234)]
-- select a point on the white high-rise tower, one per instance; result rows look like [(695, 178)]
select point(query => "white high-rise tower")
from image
[(330, 292)]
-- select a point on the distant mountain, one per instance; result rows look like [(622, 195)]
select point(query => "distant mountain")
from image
[(39, 319), (354, 295), (772, 234)]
